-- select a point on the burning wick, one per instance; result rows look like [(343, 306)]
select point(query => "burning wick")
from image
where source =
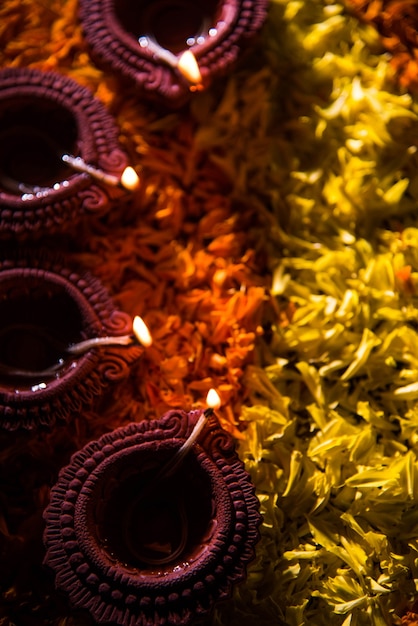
[(141, 333), (140, 330), (128, 180), (186, 63), (214, 402)]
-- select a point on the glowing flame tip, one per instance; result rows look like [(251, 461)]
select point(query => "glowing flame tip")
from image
[(212, 399), (188, 66), (141, 332), (129, 179)]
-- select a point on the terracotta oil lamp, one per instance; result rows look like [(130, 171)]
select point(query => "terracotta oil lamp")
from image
[(49, 127), (54, 358), (169, 48), (133, 544)]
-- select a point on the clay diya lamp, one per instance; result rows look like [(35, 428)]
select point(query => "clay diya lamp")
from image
[(59, 154), (62, 341), (169, 48), (134, 543)]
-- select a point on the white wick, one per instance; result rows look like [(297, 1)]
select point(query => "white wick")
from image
[(140, 330), (129, 178), (94, 342), (186, 63), (141, 334), (162, 53), (214, 402)]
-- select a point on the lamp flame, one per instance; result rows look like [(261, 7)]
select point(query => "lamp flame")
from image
[(187, 65), (213, 400), (129, 179), (141, 332)]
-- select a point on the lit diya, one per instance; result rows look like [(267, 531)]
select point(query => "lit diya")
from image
[(60, 159), (62, 341), (169, 48), (154, 522)]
